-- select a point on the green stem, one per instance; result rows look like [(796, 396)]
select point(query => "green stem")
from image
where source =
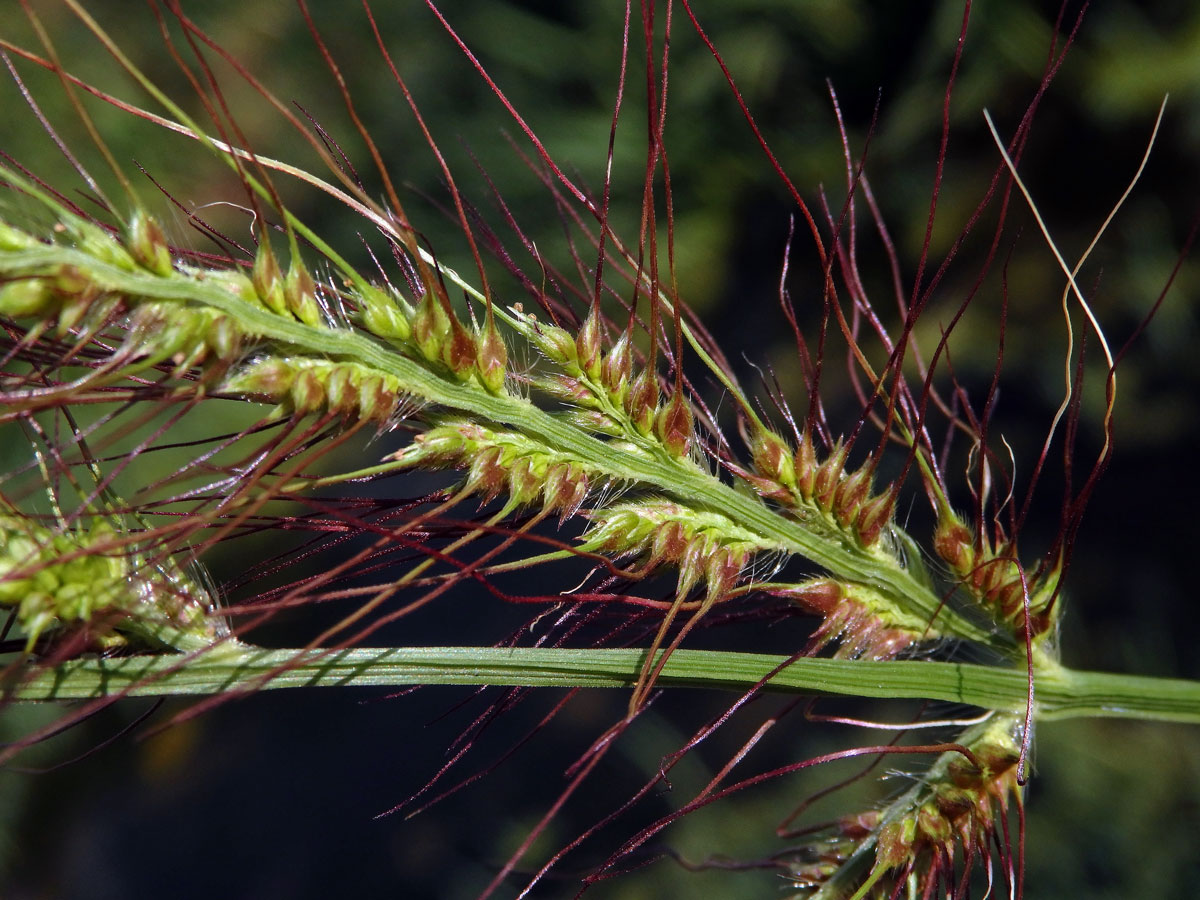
[(1061, 693)]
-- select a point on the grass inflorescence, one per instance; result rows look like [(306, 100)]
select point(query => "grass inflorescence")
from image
[(595, 409)]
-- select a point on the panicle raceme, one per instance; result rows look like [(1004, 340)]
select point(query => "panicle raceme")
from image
[(60, 580), (926, 842), (994, 578), (820, 492), (862, 621), (706, 546), (502, 462)]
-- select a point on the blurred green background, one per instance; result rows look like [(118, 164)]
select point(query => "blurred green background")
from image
[(275, 796)]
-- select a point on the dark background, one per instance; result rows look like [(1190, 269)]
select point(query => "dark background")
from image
[(275, 796)]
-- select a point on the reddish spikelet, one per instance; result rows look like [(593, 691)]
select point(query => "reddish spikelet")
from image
[(692, 565), (524, 482), (955, 544), (722, 570), (570, 389), (874, 516), (828, 476), (376, 400), (459, 352), (493, 358), (987, 574), (1008, 598), (487, 475), (341, 393), (849, 495), (769, 489), (820, 596), (271, 379), (617, 368), (225, 338), (669, 543), (805, 466), (643, 401), (673, 425), (565, 489), (773, 458), (308, 391), (430, 327), (588, 347)]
